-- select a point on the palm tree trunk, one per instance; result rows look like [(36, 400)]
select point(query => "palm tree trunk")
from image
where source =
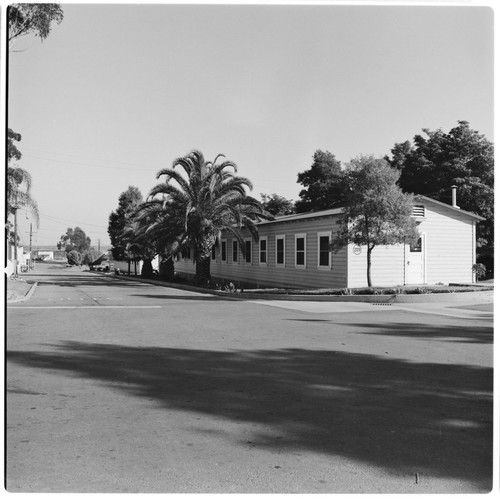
[(167, 270), (202, 277), (147, 268)]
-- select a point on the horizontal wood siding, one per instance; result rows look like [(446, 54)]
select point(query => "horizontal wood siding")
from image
[(272, 275), (449, 252), (450, 245), (388, 264)]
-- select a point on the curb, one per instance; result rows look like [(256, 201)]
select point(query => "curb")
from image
[(395, 298), (27, 296)]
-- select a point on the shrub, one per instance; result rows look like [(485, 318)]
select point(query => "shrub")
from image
[(479, 269)]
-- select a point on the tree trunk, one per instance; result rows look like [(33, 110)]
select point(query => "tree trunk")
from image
[(147, 268), (202, 277), (167, 270), (369, 266), (129, 267)]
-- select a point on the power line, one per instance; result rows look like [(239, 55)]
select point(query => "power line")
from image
[(82, 157), (87, 165), (64, 221)]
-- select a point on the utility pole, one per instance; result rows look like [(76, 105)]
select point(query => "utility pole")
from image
[(15, 239), (99, 246)]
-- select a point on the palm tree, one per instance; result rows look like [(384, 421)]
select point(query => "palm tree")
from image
[(157, 224), (198, 204), (18, 181), (18, 191)]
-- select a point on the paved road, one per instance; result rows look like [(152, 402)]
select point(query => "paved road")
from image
[(119, 386)]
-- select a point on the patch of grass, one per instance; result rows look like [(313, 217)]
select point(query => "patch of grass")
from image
[(17, 288)]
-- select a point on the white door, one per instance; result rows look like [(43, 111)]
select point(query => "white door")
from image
[(415, 262)]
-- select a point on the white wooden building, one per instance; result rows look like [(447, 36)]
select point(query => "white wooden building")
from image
[(293, 252)]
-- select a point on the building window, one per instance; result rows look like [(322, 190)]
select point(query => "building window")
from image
[(223, 251), (324, 254), (416, 247), (280, 251), (263, 250), (300, 250), (248, 251), (235, 251), (213, 252)]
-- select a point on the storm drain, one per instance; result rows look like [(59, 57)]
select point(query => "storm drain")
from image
[(383, 304)]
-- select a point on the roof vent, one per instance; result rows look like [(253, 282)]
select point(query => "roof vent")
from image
[(418, 211)]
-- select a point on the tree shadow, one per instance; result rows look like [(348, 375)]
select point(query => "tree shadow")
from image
[(199, 297), (463, 334), (405, 417), (446, 332), (85, 281)]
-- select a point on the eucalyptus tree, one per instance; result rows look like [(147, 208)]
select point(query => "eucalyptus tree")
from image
[(199, 200), (36, 19)]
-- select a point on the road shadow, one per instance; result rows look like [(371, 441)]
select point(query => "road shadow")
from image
[(464, 334), (73, 282), (406, 417), (200, 297)]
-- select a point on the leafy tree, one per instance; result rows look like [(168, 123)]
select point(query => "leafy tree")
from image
[(90, 256), (439, 160), (74, 239), (159, 223), (24, 19), (122, 219), (74, 257), (13, 153), (376, 211), (277, 205), (201, 202), (139, 245), (324, 184)]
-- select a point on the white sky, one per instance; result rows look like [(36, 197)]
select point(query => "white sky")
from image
[(117, 92)]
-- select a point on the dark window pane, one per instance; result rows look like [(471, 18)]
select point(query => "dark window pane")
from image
[(235, 251), (417, 247), (300, 258), (324, 243), (248, 251)]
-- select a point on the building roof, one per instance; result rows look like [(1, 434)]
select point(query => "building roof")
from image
[(302, 216), (339, 211), (450, 207)]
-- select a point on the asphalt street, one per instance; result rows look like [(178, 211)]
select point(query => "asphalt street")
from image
[(121, 386)]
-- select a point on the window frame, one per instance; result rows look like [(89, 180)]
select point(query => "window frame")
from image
[(297, 237), (280, 237), (320, 235), (248, 253), (223, 250), (263, 238), (234, 251)]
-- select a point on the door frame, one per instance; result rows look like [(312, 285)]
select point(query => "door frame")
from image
[(423, 235)]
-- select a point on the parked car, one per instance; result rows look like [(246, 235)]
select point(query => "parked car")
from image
[(102, 267)]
